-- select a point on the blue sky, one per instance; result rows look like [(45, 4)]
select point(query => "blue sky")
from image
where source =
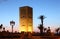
[(9, 10)]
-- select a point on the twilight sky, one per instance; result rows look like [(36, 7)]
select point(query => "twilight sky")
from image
[(9, 10)]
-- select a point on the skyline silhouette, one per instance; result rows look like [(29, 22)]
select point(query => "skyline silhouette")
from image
[(39, 19), (44, 33), (9, 10)]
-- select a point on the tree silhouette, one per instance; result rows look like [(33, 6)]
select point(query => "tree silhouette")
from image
[(45, 30), (48, 31), (1, 26), (42, 18), (41, 25), (40, 28), (12, 23), (57, 30)]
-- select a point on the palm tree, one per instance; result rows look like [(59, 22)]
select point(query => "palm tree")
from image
[(42, 18), (12, 23), (41, 26)]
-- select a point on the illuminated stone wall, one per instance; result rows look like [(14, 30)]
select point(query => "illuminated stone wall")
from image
[(26, 19)]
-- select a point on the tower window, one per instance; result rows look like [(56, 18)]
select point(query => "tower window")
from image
[(30, 25), (22, 16), (23, 25)]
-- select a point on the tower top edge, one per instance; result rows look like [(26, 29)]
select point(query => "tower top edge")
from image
[(26, 7)]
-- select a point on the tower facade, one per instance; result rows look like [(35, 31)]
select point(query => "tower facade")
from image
[(26, 19)]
